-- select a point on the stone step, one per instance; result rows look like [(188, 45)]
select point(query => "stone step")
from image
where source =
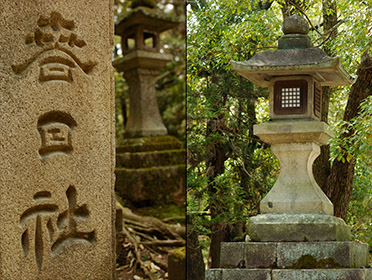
[(145, 144), (289, 274), (152, 158), (151, 184), (331, 254)]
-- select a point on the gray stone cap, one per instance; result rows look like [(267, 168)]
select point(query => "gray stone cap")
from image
[(265, 65), (153, 19), (299, 131), (141, 59)]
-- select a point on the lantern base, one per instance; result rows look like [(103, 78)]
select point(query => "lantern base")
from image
[(297, 227)]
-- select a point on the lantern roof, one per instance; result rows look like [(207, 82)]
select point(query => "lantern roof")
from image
[(148, 16), (295, 56)]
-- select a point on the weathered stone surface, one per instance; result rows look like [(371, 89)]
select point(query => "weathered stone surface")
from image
[(142, 185), (237, 274), (293, 132), (297, 227), (232, 253), (289, 274), (151, 158), (57, 140), (322, 274), (296, 145), (294, 41), (151, 169), (213, 274), (291, 254), (145, 144), (295, 24), (345, 254), (177, 264), (265, 65), (144, 117)]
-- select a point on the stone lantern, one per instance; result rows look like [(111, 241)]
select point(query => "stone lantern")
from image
[(140, 40), (296, 228), (294, 74), (150, 164)]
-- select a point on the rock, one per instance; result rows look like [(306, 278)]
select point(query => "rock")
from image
[(177, 264)]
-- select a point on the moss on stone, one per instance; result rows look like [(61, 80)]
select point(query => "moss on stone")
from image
[(178, 253), (151, 158), (153, 143), (143, 3), (227, 266), (150, 184), (309, 262)]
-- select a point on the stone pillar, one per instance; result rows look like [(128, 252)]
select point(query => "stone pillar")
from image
[(57, 140), (144, 117), (141, 70)]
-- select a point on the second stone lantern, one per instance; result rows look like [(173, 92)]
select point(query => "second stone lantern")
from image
[(295, 74), (296, 236)]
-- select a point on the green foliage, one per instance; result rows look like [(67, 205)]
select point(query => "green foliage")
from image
[(221, 111), (352, 139), (359, 215), (222, 107)]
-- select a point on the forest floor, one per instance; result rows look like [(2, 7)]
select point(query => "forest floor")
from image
[(146, 237)]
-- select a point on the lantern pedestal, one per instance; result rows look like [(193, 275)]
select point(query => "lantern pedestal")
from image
[(296, 144), (151, 170), (296, 209)]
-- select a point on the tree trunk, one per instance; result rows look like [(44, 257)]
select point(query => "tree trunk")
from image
[(340, 181), (194, 257), (215, 167), (322, 167)]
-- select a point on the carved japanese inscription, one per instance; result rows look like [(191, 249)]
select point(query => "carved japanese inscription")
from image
[(57, 140), (55, 129), (61, 227), (54, 36)]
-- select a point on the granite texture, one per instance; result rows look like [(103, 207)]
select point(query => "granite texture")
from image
[(289, 274), (297, 227), (237, 274), (296, 144), (57, 140), (141, 70), (151, 170), (294, 254)]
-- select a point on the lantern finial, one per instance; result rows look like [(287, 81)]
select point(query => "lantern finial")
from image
[(295, 25), (295, 30)]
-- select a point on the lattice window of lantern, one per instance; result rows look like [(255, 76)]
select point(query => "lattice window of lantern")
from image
[(290, 97)]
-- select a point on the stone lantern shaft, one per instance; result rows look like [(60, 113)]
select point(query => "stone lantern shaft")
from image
[(141, 70)]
